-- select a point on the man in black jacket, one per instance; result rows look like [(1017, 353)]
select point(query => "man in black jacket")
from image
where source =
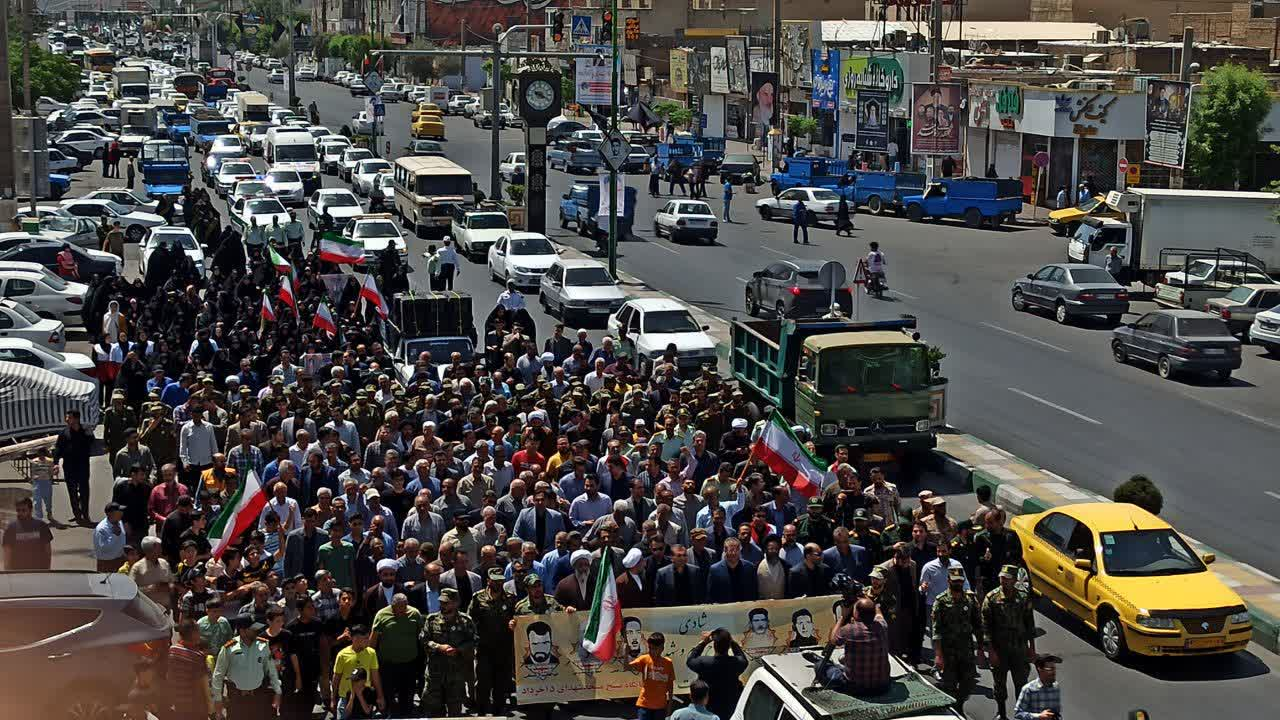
[(73, 448), (302, 546), (680, 583), (722, 671), (812, 577)]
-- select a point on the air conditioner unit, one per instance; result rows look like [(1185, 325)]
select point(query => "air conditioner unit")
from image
[(31, 172), (1102, 37)]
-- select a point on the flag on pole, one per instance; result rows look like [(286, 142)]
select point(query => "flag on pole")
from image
[(369, 291), (268, 312), (278, 262), (779, 448), (239, 514), (341, 250), (286, 292), (599, 635), (323, 320)]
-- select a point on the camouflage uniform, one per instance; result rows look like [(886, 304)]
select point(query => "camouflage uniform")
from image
[(492, 613), (446, 676), (957, 622), (1009, 625), (548, 605)]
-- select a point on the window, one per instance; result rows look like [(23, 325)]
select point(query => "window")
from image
[(624, 315), (6, 322), (1143, 553), (1080, 544), (1091, 275), (762, 704), (1162, 325), (19, 355), (1044, 273), (18, 288), (1056, 529), (588, 277), (1202, 327), (669, 321), (23, 626)]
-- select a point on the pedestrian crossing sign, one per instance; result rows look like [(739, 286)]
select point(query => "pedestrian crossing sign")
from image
[(582, 26)]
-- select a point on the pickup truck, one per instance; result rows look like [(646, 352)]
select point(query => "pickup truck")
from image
[(441, 323), (575, 155), (862, 384), (805, 171), (1207, 274), (881, 191), (976, 200), (581, 207)]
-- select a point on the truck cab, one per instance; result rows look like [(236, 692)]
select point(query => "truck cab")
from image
[(977, 201), (581, 207), (1096, 236), (804, 171)]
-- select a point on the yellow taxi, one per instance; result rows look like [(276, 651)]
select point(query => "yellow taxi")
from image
[(1066, 220), (1133, 579), (428, 126), (425, 108)]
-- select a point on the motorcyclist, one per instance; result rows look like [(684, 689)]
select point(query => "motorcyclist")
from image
[(875, 266)]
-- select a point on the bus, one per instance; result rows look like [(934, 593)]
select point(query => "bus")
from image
[(99, 60), (189, 84), (427, 188)]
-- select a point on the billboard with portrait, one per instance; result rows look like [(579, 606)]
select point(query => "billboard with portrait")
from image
[(719, 70), (679, 70), (764, 93), (935, 119), (873, 120), (1168, 122)]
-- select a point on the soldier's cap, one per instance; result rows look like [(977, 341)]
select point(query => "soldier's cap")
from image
[(449, 594), (117, 394), (815, 502), (246, 622), (1042, 659), (878, 572), (955, 573), (362, 393), (532, 579), (496, 574), (1009, 571), (936, 502), (861, 514)]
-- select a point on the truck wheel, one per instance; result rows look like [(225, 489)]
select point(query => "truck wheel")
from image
[(973, 218), (753, 309), (997, 221), (875, 205), (915, 213)]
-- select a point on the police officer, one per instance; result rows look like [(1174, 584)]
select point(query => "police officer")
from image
[(492, 610), (957, 638), (245, 674), (449, 636), (1009, 626)]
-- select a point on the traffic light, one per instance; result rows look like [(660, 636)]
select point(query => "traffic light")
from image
[(606, 27), (557, 26)]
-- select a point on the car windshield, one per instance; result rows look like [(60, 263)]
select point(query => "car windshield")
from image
[(245, 188), (873, 369), (1202, 327), (355, 155), (488, 221), (185, 240), (825, 196), (1239, 295), (296, 152), (54, 281), (334, 149), (587, 277), (118, 208), (340, 200), (376, 229), (532, 245), (1089, 205), (693, 209), (1091, 275), (24, 313), (670, 321), (1144, 553), (265, 206), (236, 168), (373, 166), (284, 176)]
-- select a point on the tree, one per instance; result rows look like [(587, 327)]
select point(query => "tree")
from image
[(1230, 105), (1140, 491), (568, 91), (52, 75), (419, 67), (800, 126)]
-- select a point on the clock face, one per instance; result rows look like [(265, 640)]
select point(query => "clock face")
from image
[(539, 94)]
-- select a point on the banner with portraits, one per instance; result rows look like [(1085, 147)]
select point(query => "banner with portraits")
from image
[(873, 120), (736, 47), (551, 667), (679, 70), (764, 93), (935, 119), (1168, 122)]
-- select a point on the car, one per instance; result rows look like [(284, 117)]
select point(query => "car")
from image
[(365, 170), (1071, 290), (562, 128), (375, 232), (265, 211), (1133, 579), (135, 222), (133, 199), (362, 123), (471, 107), (382, 197), (578, 290), (172, 237), (1178, 341), (81, 232), (330, 156), (91, 263), (1239, 307), (482, 118), (511, 166), (286, 185), (521, 257), (232, 172), (457, 103), (655, 323), (475, 231), (16, 321), (424, 108), (213, 161), (792, 289), (392, 92), (83, 143), (428, 125), (98, 626), (820, 202), (425, 148), (1265, 330), (686, 219), (132, 137), (1065, 220), (305, 73), (42, 292), (46, 105), (276, 77), (637, 161), (339, 204), (62, 162), (356, 85), (350, 157)]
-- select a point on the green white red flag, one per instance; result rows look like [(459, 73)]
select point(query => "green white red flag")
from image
[(239, 514), (323, 320), (341, 250), (600, 634), (278, 262), (286, 292), (783, 452), (369, 291), (268, 312)]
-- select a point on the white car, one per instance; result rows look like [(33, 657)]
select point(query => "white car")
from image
[(305, 73), (82, 141), (287, 186), (350, 157), (46, 105), (132, 199), (575, 290), (135, 222), (265, 210), (132, 138), (1265, 330), (1200, 271), (227, 145), (471, 107), (42, 292), (78, 231), (475, 232), (276, 77), (337, 203), (172, 237), (655, 323), (94, 117), (522, 258), (510, 164), (330, 156), (16, 321), (232, 172), (820, 202), (383, 195), (457, 103), (375, 233), (246, 189), (61, 162), (362, 176), (686, 219), (69, 365), (361, 123)]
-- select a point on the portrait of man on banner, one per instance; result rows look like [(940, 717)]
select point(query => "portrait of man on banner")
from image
[(764, 91), (542, 659)]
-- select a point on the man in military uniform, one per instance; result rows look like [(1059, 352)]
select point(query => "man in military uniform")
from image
[(116, 420), (492, 610), (245, 674), (366, 416), (536, 600), (449, 636), (957, 638), (814, 526), (1008, 623), (863, 535)]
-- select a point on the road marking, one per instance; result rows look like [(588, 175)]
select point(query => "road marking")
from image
[(899, 293), (1055, 406), (786, 254), (661, 246), (1274, 495), (1028, 338), (1260, 421)]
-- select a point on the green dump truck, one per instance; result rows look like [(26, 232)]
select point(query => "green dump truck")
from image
[(861, 384)]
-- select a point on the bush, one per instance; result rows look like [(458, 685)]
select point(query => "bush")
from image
[(516, 193), (1140, 491)]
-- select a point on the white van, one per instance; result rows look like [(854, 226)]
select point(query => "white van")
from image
[(291, 148)]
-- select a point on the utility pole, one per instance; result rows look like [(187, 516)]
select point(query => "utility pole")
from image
[(26, 97), (1188, 47), (935, 55), (777, 65), (613, 127), (8, 161), (495, 117)]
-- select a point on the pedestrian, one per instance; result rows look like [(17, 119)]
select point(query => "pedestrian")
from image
[(68, 268), (433, 268), (722, 671), (948, 166), (728, 199), (1083, 195), (448, 264), (28, 542), (1009, 626), (844, 223), (109, 539), (957, 638), (73, 449), (699, 695), (115, 159), (800, 223), (395, 635), (1114, 264), (357, 656), (675, 176), (657, 680), (187, 676), (114, 242), (43, 471), (1063, 198), (129, 175), (655, 177), (493, 612), (1041, 699), (244, 676), (449, 636), (106, 161)]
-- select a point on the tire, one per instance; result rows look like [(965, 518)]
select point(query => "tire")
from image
[(1019, 301), (492, 275), (875, 205), (1223, 376), (753, 308), (135, 233), (1164, 368), (915, 213), (564, 224), (1060, 313), (997, 221), (657, 229), (85, 703), (973, 218), (1271, 350), (1118, 353), (780, 309), (1111, 636), (766, 213)]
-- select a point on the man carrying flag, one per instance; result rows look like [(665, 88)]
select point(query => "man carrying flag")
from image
[(783, 452), (323, 320), (239, 514), (369, 292)]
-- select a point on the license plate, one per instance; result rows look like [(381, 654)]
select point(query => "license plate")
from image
[(1206, 642), (599, 311), (1269, 326), (1215, 351), (877, 457), (1105, 296)]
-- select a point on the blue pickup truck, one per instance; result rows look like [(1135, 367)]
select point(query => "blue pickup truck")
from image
[(581, 207), (881, 191), (179, 125), (687, 154), (803, 171), (710, 149), (574, 156), (205, 129), (976, 200)]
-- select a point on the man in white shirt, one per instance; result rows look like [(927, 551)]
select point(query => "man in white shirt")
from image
[(285, 507), (448, 264), (511, 298), (594, 380), (196, 446), (933, 577), (299, 451)]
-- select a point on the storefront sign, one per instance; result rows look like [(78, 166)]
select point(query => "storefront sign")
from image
[(873, 121), (826, 78), (679, 70), (1085, 112), (935, 119), (991, 105), (872, 73), (1009, 100), (1168, 122), (719, 70)]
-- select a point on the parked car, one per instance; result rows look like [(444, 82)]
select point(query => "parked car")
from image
[(521, 257), (132, 199), (655, 323), (820, 202), (42, 292), (90, 262), (511, 165), (791, 288), (1178, 341), (1265, 330), (82, 142), (62, 162), (1071, 290), (1239, 307), (74, 366), (578, 290), (79, 231), (16, 321), (686, 219), (135, 222)]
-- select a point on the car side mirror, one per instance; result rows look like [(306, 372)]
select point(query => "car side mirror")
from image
[(706, 327), (1209, 558), (565, 196), (1031, 276), (1084, 564), (758, 273)]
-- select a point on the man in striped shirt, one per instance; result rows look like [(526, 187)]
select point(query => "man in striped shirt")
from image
[(188, 676), (1041, 699)]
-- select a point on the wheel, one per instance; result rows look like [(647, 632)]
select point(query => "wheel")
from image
[(97, 153), (85, 703), (753, 309), (542, 300), (997, 221), (1060, 313), (915, 213), (1111, 637), (973, 218), (1271, 350), (1119, 353), (875, 205), (1223, 376), (1164, 368), (564, 224), (135, 233), (657, 229), (493, 275), (780, 309), (1019, 301), (766, 213)]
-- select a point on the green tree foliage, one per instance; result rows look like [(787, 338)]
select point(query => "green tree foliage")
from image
[(1140, 491), (568, 91), (1230, 105), (52, 75), (800, 126)]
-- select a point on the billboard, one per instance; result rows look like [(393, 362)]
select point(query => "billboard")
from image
[(1168, 122), (935, 119), (593, 76), (719, 70), (764, 92), (826, 79), (873, 121), (679, 70), (736, 47)]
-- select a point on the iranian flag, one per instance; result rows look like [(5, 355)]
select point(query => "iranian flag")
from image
[(239, 514), (340, 250), (268, 312), (779, 448), (278, 262), (369, 291), (324, 320), (600, 635), (286, 292)]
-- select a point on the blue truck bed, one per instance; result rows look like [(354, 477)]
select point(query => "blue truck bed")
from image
[(881, 191)]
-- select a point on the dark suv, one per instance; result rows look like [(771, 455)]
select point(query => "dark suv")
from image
[(69, 641)]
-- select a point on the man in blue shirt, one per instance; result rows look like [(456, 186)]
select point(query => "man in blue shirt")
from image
[(800, 223), (176, 393), (728, 198)]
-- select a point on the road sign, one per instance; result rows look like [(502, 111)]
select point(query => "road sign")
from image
[(1123, 165), (832, 275), (301, 43), (375, 107), (581, 26), (373, 81), (1040, 159), (614, 149)]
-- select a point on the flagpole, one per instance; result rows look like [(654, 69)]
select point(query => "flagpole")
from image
[(746, 464)]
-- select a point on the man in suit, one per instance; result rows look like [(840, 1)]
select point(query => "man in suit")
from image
[(812, 577), (731, 579), (698, 463), (572, 590), (639, 507), (680, 583), (701, 554), (899, 596), (633, 592), (379, 595), (540, 524), (845, 557), (460, 578), (302, 547)]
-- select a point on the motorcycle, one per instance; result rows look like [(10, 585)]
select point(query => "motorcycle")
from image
[(876, 285)]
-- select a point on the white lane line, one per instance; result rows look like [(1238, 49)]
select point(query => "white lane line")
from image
[(786, 254), (1028, 338), (899, 293), (1055, 406), (661, 246), (1258, 420), (1274, 495)]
